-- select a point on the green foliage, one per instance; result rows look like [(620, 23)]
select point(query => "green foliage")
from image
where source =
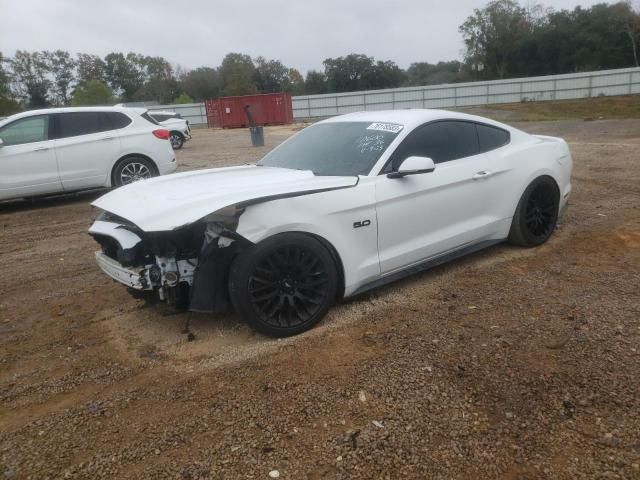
[(423, 73), (315, 83), (62, 68), (359, 72), (30, 73), (295, 82), (90, 67), (506, 40), (183, 98), (93, 92), (238, 75), (271, 75), (202, 83)]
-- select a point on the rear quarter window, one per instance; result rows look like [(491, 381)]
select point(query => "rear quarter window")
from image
[(491, 138)]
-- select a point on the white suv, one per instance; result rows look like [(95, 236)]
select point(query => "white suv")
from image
[(68, 149), (178, 127)]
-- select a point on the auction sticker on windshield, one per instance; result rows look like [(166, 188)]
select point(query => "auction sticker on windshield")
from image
[(385, 127)]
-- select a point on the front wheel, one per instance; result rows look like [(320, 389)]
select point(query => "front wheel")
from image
[(537, 213), (177, 140), (283, 285)]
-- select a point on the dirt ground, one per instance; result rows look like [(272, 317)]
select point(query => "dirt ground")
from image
[(511, 363)]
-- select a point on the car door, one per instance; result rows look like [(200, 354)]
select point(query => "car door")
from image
[(27, 158), (424, 215), (86, 148)]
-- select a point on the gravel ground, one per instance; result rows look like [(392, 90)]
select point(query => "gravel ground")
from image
[(510, 363)]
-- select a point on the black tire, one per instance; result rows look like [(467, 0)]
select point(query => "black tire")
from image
[(537, 213), (177, 140), (283, 285), (132, 169)]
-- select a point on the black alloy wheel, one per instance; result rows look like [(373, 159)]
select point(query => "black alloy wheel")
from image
[(286, 286), (537, 213)]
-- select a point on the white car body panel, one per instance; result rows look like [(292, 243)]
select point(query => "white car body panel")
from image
[(406, 221), (167, 203)]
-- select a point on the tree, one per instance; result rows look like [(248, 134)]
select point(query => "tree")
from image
[(4, 78), (627, 20), (183, 98), (271, 75), (492, 35), (202, 83), (30, 78), (237, 74), (386, 75), (315, 83), (7, 104), (295, 82), (89, 67), (424, 73), (349, 73), (124, 74), (92, 92), (62, 68)]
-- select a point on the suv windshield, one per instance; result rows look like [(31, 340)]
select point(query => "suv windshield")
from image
[(338, 148)]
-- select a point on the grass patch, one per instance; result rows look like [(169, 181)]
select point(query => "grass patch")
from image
[(626, 106)]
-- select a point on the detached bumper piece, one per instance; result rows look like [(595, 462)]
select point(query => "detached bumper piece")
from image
[(127, 276)]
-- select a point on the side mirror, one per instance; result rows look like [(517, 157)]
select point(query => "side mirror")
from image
[(413, 166), (1, 143)]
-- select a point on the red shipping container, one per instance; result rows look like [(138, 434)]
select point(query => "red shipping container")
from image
[(267, 109)]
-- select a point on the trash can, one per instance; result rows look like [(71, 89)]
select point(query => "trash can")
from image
[(257, 136)]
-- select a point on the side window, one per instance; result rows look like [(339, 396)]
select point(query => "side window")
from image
[(491, 138), (440, 141), (74, 124), (26, 130), (116, 120), (159, 117)]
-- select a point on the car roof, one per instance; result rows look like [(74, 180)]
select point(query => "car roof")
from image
[(412, 117), (43, 111)]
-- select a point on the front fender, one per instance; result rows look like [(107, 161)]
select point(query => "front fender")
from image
[(345, 218)]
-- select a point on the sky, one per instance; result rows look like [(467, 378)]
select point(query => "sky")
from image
[(195, 33)]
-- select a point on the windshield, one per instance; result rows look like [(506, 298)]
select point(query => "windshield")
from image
[(337, 148)]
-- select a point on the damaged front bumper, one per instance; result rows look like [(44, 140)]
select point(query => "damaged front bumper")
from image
[(187, 268), (166, 273)]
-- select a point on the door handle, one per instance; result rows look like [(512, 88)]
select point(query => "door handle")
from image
[(108, 138), (40, 149), (482, 174)]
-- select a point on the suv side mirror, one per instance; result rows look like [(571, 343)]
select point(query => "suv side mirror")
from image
[(413, 166), (1, 143)]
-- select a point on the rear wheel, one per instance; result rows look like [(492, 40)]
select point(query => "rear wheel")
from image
[(537, 213), (284, 285), (177, 140), (131, 170)]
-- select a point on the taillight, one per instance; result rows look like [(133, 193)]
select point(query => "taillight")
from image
[(162, 134)]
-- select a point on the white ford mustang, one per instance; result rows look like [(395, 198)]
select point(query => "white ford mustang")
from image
[(347, 204)]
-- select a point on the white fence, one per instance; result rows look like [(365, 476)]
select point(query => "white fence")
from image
[(553, 87)]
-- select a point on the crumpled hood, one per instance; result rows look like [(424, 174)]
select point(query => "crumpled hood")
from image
[(172, 201)]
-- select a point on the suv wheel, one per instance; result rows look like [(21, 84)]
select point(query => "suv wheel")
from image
[(177, 140), (131, 170)]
